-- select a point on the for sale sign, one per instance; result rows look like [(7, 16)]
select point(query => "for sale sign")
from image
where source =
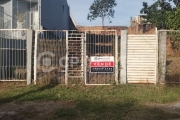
[(102, 64)]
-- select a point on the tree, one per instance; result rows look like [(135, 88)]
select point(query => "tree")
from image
[(157, 13), (103, 9), (173, 19)]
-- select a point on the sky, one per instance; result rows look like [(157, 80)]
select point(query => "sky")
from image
[(123, 11)]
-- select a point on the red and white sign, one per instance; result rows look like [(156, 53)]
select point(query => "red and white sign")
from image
[(102, 64)]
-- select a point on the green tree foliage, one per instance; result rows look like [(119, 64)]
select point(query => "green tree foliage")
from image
[(173, 19), (103, 9), (165, 14)]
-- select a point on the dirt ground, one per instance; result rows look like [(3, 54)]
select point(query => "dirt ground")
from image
[(32, 110), (45, 110), (169, 108)]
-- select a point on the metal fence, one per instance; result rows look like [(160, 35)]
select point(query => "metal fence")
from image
[(49, 56), (169, 49), (89, 57), (13, 55)]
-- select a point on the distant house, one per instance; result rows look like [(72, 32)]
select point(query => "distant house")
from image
[(138, 25), (35, 14)]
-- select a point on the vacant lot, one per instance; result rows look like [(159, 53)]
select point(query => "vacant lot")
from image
[(130, 102)]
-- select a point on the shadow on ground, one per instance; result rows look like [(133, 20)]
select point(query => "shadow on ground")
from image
[(19, 96), (101, 110)]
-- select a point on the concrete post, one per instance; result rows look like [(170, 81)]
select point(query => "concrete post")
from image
[(66, 64), (116, 60), (162, 56), (29, 55), (123, 65), (85, 60)]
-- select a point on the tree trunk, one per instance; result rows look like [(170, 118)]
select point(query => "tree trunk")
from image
[(103, 22)]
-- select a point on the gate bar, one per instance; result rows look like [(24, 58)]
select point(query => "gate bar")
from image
[(35, 57)]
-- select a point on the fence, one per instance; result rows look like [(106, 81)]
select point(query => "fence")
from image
[(89, 57), (13, 55), (169, 67)]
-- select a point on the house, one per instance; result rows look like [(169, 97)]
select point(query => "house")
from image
[(27, 14), (35, 14)]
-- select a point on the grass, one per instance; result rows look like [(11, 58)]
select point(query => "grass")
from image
[(140, 93), (99, 102)]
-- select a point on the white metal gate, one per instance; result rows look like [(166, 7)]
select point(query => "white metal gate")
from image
[(142, 58), (101, 44), (64, 56)]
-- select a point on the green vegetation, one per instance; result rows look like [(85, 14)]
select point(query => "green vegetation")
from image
[(99, 102), (163, 13), (103, 9), (139, 93)]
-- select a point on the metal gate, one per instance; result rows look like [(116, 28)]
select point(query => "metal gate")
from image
[(13, 55), (101, 46), (64, 56), (142, 58)]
